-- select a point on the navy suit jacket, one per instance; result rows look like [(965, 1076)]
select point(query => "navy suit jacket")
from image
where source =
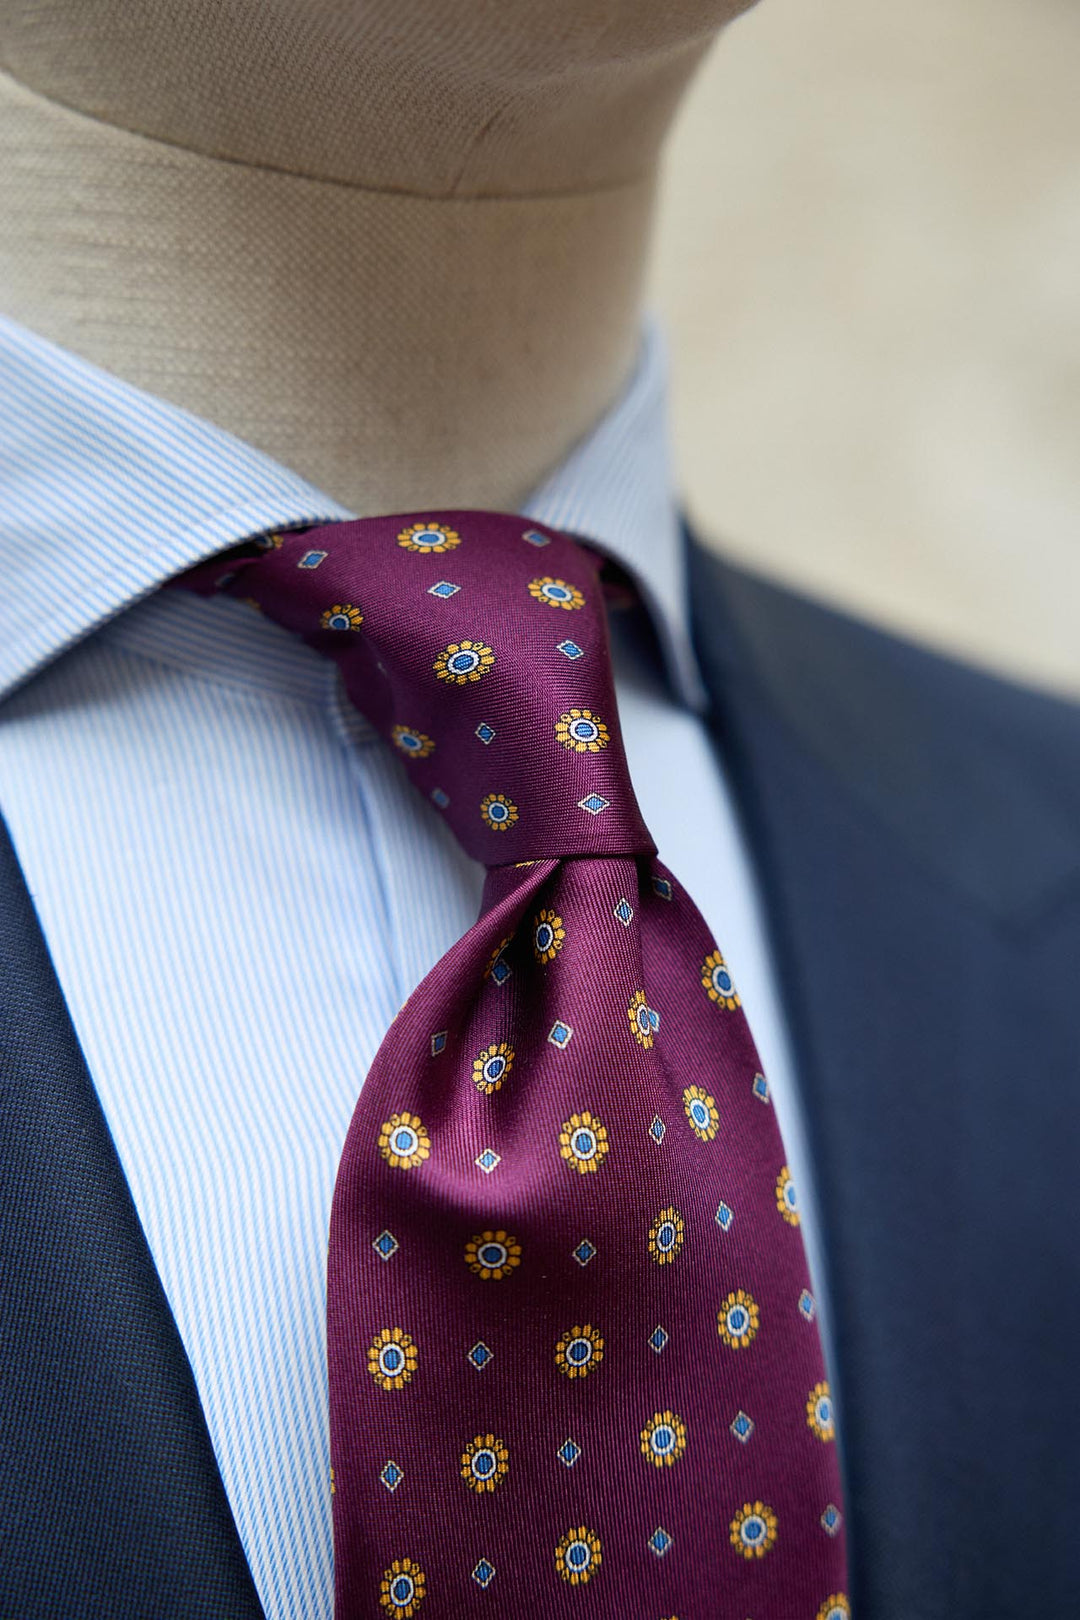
[(916, 827)]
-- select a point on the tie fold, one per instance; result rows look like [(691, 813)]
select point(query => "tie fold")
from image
[(477, 644)]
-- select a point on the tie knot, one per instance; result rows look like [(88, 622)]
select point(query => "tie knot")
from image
[(477, 644)]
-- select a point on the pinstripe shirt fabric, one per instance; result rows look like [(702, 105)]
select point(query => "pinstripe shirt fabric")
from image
[(238, 886)]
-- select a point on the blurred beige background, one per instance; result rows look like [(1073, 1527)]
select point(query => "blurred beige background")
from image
[(869, 264)]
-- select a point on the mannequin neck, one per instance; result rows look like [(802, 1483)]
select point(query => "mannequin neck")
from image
[(399, 351)]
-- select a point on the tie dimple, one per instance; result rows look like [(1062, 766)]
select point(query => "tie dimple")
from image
[(574, 1361)]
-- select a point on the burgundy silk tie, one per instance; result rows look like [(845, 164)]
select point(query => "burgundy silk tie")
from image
[(574, 1362)]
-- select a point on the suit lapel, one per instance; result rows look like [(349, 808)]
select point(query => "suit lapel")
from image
[(110, 1497), (915, 828)]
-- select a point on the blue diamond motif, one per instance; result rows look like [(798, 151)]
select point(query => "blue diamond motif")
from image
[(386, 1245), (584, 1252), (806, 1304), (657, 1130), (392, 1476), (535, 538), (312, 559), (663, 888), (724, 1217), (570, 648), (440, 798), (657, 1339), (438, 1042), (487, 1160), (480, 1355), (593, 803), (742, 1427), (443, 588), (831, 1520), (560, 1035), (624, 913), (761, 1088), (485, 732), (568, 1453), (660, 1541), (501, 971), (484, 1573)]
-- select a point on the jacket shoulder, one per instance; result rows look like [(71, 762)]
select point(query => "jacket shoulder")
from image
[(980, 775)]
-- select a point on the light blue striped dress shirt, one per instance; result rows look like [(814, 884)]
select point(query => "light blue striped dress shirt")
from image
[(238, 886)]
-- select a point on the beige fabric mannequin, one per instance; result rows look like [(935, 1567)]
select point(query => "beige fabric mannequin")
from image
[(398, 244)]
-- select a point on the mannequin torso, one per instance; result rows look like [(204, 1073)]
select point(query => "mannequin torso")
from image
[(401, 254)]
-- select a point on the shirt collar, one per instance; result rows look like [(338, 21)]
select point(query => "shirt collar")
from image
[(106, 492), (617, 488)]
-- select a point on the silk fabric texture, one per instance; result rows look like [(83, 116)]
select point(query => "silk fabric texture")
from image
[(574, 1363)]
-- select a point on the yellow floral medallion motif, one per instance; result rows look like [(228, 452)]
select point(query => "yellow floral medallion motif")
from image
[(717, 982), (666, 1236), (738, 1319), (412, 743), (581, 731), (583, 1142), (557, 593), (491, 1067), (835, 1607), (342, 616), (753, 1529), (579, 1350), (787, 1200), (403, 1141), (548, 936), (663, 1439), (432, 537), (577, 1557), (484, 1463), (643, 1021), (493, 1255), (498, 811), (270, 542), (702, 1112), (391, 1358), (464, 661), (819, 1412), (402, 1589)]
